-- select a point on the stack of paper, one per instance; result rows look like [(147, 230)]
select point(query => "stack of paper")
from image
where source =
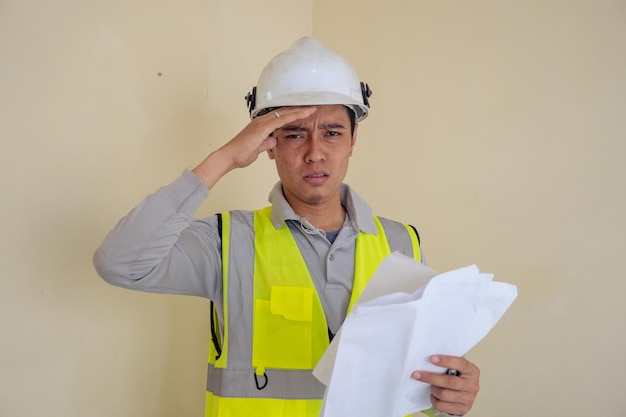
[(406, 314)]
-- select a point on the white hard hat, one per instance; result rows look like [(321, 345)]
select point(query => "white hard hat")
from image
[(309, 74)]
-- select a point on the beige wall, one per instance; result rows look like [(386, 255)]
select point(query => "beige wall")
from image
[(501, 125), (497, 129)]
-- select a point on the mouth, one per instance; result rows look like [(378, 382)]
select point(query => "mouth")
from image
[(316, 175), (316, 178)]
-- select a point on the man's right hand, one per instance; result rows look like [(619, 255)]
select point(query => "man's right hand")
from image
[(245, 147)]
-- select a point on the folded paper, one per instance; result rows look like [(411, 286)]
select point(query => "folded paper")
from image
[(406, 314)]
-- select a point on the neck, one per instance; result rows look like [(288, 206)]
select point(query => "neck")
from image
[(325, 216)]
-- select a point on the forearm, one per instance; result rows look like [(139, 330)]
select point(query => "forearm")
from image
[(145, 250), (214, 167)]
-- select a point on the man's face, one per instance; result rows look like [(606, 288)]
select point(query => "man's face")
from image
[(312, 156)]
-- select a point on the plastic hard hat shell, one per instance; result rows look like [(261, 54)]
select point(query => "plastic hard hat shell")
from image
[(309, 74)]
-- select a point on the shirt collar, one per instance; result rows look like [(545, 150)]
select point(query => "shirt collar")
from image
[(358, 210)]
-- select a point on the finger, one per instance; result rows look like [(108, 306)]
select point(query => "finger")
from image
[(285, 115), (451, 393), (298, 111), (260, 128), (467, 380), (450, 408), (463, 367), (267, 144), (452, 367), (449, 382)]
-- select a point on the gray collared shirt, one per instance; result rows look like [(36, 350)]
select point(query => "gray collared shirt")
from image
[(157, 247)]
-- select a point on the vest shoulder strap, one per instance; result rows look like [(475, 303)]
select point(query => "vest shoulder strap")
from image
[(403, 238), (215, 335)]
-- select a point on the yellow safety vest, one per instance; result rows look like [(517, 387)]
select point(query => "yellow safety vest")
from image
[(289, 329)]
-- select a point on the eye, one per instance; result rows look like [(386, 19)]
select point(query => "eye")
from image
[(294, 136), (333, 133)]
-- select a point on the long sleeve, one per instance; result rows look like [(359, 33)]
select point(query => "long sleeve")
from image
[(157, 248)]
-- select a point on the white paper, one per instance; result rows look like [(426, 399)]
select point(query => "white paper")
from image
[(395, 274), (404, 316)]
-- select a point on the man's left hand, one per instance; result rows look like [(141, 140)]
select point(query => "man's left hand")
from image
[(451, 394)]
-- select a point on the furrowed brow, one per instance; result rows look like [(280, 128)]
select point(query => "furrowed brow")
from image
[(294, 128), (332, 126), (325, 126)]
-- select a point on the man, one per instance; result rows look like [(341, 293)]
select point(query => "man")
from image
[(281, 279)]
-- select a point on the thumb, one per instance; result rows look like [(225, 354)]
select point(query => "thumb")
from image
[(267, 144)]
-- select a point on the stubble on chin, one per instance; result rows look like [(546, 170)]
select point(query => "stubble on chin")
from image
[(314, 200)]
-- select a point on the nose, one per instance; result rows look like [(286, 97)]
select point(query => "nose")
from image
[(315, 149)]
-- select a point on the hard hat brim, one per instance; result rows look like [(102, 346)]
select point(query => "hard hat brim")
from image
[(312, 98)]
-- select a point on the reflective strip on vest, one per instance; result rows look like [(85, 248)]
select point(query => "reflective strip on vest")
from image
[(285, 384), (274, 356)]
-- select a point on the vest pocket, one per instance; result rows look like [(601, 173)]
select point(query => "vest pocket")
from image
[(282, 329)]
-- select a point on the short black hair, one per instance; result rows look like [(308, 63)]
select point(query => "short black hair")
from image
[(352, 117)]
